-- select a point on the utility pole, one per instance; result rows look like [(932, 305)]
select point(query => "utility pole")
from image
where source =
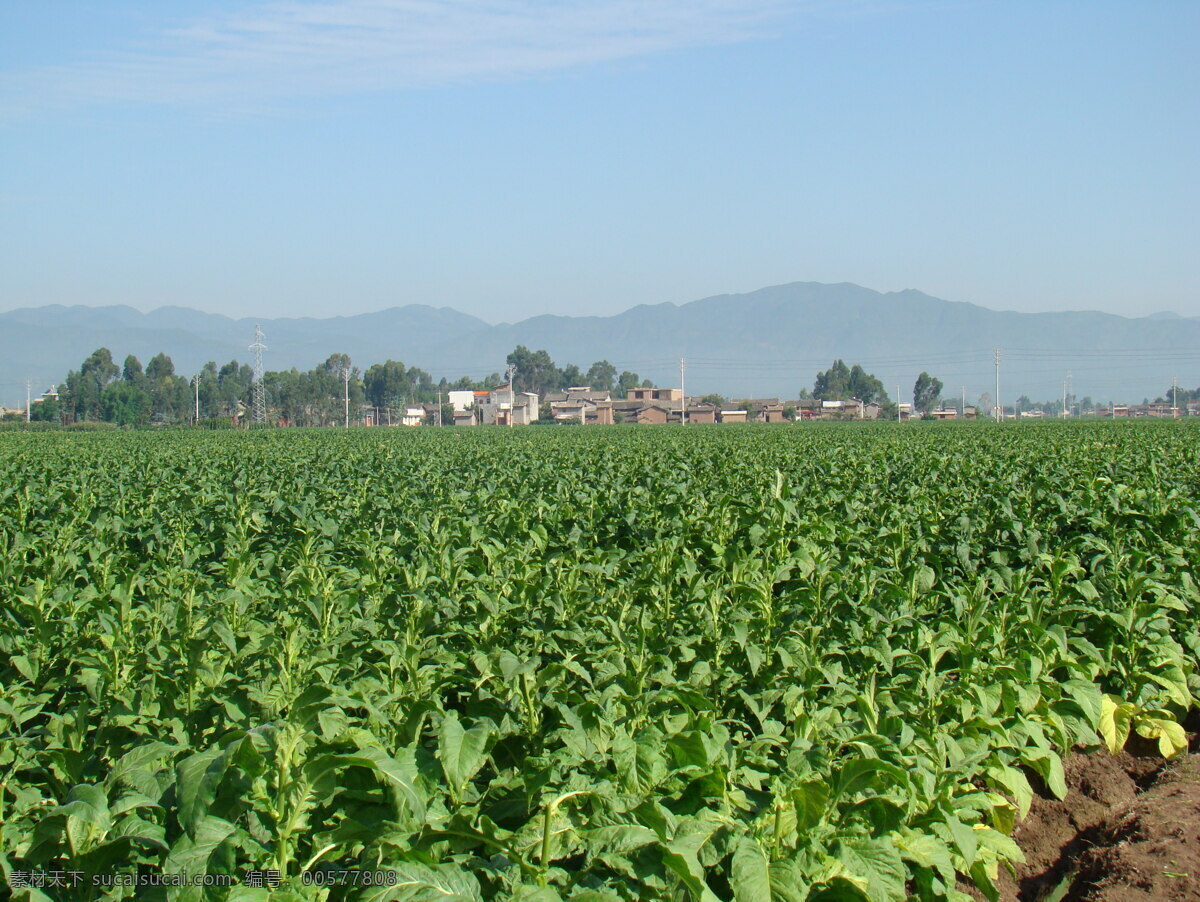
[(439, 407), (999, 406), (196, 386), (964, 407), (897, 402), (682, 393), (512, 396), (346, 395), (28, 387), (1174, 397)]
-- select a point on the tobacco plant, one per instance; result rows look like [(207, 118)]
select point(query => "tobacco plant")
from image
[(785, 663)]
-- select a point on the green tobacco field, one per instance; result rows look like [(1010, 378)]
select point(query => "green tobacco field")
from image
[(614, 663)]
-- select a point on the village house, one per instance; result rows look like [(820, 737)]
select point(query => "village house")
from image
[(1150, 410), (807, 408), (773, 413), (696, 413), (505, 407), (577, 404), (499, 407), (650, 415), (654, 394), (461, 399), (755, 408)]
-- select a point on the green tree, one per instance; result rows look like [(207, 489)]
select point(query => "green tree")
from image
[(125, 404), (390, 384), (866, 387), (570, 376), (233, 387), (536, 371), (627, 381), (132, 372), (209, 389), (170, 395), (927, 391), (48, 410), (159, 368), (841, 383), (834, 383), (82, 390), (386, 383), (602, 376)]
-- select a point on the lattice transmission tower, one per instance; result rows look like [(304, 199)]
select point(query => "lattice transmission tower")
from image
[(258, 389)]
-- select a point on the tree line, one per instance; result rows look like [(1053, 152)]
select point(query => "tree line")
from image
[(536, 372), (844, 383), (133, 395)]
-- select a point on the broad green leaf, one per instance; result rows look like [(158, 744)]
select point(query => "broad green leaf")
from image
[(620, 838), (190, 853), (535, 894), (751, 872), (427, 883), (1089, 698), (878, 863), (1016, 784), (88, 817), (812, 801), (997, 842), (926, 850), (685, 866), (788, 882), (461, 752), (864, 773), (196, 780)]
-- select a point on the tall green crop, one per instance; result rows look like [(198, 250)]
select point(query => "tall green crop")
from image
[(623, 663)]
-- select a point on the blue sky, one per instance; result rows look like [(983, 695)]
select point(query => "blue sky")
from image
[(515, 158)]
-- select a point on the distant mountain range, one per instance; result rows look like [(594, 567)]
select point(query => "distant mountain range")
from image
[(766, 343)]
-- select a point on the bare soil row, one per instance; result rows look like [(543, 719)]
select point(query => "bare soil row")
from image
[(1128, 831)]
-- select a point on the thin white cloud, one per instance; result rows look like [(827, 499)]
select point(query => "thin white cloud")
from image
[(291, 48)]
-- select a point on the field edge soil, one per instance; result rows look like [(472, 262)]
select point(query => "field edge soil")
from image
[(1128, 831)]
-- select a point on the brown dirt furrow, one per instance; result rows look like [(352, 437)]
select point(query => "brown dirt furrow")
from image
[(1128, 831), (1150, 849)]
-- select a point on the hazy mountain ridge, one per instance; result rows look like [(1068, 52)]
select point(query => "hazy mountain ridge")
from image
[(801, 327)]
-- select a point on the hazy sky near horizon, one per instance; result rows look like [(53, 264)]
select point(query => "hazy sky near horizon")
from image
[(326, 157)]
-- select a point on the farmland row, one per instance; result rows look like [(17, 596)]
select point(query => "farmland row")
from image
[(821, 663)]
